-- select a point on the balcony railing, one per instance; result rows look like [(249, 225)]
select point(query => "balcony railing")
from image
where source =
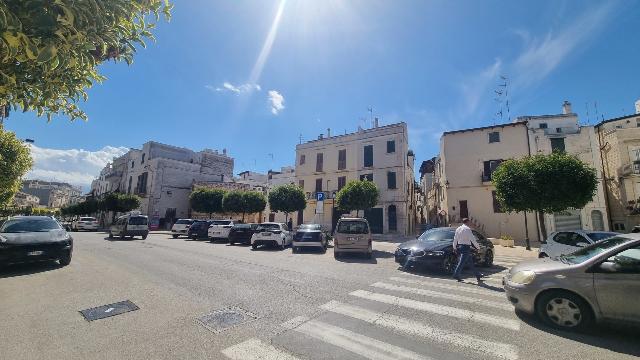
[(629, 169)]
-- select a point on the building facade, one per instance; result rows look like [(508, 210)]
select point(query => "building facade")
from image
[(266, 183), (380, 154), (52, 194), (23, 200), (619, 143)]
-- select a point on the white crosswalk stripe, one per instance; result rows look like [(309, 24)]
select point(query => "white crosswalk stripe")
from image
[(356, 343), (438, 309), (450, 286), (414, 328), (254, 349), (435, 294)]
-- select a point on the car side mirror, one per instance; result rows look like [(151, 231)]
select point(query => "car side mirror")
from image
[(608, 267), (582, 244)]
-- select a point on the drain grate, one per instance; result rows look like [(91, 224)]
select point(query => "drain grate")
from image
[(221, 320), (109, 310)]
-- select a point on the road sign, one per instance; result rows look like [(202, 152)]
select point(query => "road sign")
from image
[(320, 196)]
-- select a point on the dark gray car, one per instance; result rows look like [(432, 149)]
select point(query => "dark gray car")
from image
[(34, 238)]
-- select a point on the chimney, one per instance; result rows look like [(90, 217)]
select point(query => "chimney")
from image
[(566, 107), (328, 132), (638, 106), (375, 122)]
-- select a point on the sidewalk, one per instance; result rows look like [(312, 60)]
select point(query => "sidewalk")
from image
[(516, 251)]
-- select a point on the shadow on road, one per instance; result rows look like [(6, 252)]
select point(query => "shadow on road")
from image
[(28, 269), (117, 238), (357, 258), (468, 278), (620, 339)]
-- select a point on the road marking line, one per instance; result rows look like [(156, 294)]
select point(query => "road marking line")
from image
[(356, 343), (450, 280), (254, 349), (511, 258), (439, 309), (504, 305), (414, 328), (453, 286), (294, 323)]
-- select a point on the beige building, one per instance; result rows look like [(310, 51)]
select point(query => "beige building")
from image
[(380, 154), (22, 199), (267, 182), (619, 141), (461, 180)]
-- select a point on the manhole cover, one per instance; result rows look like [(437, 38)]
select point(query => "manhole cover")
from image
[(224, 319), (109, 310)]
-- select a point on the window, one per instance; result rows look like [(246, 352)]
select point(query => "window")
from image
[(129, 188), (496, 204), (143, 155), (464, 209), (342, 159), (342, 181), (557, 145), (543, 125), (618, 227), (393, 218), (368, 177), (558, 130), (627, 261), (319, 161), (132, 164), (141, 185), (637, 122), (368, 156), (570, 239), (301, 184), (391, 180), (494, 137), (391, 146), (319, 185), (489, 167), (303, 158)]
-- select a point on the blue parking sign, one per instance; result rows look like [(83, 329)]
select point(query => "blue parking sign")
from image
[(320, 196)]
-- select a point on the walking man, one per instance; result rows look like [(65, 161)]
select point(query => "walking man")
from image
[(463, 242)]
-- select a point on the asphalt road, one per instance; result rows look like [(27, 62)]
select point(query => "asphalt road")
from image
[(297, 306)]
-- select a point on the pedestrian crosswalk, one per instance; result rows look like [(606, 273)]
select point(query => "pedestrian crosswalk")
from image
[(468, 319)]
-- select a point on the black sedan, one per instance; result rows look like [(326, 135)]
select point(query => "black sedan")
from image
[(242, 233), (34, 238), (199, 229), (434, 249)]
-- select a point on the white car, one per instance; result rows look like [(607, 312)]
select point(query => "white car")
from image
[(85, 223), (272, 234), (219, 230), (181, 227), (567, 242)]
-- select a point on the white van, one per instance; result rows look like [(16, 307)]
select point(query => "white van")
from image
[(130, 225)]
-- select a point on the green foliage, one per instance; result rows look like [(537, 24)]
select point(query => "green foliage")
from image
[(287, 198), (15, 161), (357, 195), (544, 183), (87, 207), (207, 200), (255, 201), (50, 50), (243, 202), (117, 202), (233, 201)]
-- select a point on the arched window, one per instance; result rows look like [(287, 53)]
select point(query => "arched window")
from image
[(393, 218), (597, 220)]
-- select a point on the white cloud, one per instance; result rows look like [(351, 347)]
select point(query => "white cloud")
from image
[(75, 166), (277, 101), (542, 56), (236, 89)]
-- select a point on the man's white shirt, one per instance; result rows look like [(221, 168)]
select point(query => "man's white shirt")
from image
[(464, 236)]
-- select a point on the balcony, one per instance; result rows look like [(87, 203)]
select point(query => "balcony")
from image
[(113, 174), (629, 169)]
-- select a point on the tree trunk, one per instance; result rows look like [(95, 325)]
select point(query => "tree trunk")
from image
[(543, 227), (242, 217)]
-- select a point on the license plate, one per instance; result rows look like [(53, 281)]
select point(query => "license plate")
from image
[(266, 234), (351, 239), (35, 253)]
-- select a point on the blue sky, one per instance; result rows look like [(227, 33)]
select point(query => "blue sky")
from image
[(236, 75)]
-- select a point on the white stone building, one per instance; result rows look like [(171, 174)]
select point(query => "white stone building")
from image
[(52, 194), (22, 199)]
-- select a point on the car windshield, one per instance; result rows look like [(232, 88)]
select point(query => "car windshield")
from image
[(437, 235), (269, 227), (137, 220), (600, 236), (353, 227), (242, 226), (184, 221), (591, 251), (309, 227), (221, 222), (29, 225), (309, 235), (87, 219)]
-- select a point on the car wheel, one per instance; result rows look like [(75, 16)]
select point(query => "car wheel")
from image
[(282, 246), (254, 246), (564, 310), (488, 259), (122, 236), (65, 260), (110, 235), (144, 237), (449, 264), (174, 236)]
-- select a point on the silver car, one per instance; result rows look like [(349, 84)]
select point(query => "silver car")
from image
[(600, 282)]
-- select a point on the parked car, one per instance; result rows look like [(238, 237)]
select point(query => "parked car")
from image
[(600, 282), (85, 223), (309, 235), (130, 225), (271, 234), (34, 238), (434, 249), (242, 233), (566, 242), (219, 229), (181, 227), (352, 235), (199, 229)]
